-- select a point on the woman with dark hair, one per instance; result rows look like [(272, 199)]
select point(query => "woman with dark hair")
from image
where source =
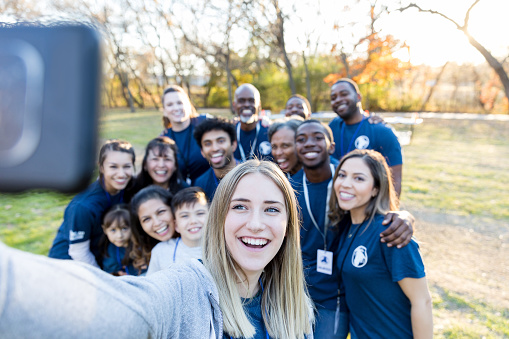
[(385, 287), (282, 139), (179, 120), (159, 167), (152, 221), (79, 235)]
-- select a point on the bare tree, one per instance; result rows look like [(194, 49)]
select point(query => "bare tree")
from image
[(492, 61)]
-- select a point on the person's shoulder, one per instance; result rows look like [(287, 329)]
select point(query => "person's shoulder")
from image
[(203, 179), (296, 180), (335, 122)]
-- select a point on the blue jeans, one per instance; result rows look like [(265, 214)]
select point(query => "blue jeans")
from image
[(324, 324)]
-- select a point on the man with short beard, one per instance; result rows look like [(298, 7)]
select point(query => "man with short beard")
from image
[(251, 133), (352, 131), (319, 239)]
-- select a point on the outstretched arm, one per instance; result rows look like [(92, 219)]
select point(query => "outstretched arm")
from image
[(397, 174), (421, 311), (400, 230)]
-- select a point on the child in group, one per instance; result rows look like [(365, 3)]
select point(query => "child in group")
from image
[(151, 222), (80, 233), (191, 210), (117, 241)]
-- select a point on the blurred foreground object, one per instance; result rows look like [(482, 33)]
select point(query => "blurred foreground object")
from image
[(49, 102)]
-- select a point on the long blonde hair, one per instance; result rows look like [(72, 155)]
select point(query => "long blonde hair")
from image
[(386, 199), (288, 311)]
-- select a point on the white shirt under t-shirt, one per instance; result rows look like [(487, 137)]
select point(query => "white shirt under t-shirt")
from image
[(164, 254)]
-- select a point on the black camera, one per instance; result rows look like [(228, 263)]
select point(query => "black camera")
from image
[(49, 102)]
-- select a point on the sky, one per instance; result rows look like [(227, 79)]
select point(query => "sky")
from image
[(432, 39)]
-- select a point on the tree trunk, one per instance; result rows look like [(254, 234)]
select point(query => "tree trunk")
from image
[(308, 80), (497, 66), (437, 79)]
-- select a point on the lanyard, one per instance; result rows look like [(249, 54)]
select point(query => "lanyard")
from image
[(186, 146), (353, 136), (175, 250), (306, 197), (253, 146), (349, 246), (119, 261)]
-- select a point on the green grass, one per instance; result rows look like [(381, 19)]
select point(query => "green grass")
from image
[(459, 167), (476, 318)]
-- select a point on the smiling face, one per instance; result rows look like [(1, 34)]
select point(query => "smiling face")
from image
[(313, 146), (297, 106), (354, 187), (255, 224), (156, 219), (117, 169), (283, 150), (247, 105), (160, 166), (177, 107), (190, 221), (118, 233), (344, 101), (217, 148)]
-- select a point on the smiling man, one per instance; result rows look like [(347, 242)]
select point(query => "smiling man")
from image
[(351, 131), (217, 141), (313, 186), (251, 133)]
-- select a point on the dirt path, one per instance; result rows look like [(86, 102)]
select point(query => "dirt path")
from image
[(467, 255)]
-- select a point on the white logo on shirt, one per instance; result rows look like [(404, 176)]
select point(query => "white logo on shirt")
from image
[(76, 235), (360, 257), (265, 148), (362, 142)]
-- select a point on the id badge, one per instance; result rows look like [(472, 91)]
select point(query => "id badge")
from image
[(324, 262)]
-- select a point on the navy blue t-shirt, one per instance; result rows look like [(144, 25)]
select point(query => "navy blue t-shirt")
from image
[(253, 309), (82, 220), (190, 161), (371, 271), (112, 263), (262, 149), (323, 288), (378, 137), (208, 183)]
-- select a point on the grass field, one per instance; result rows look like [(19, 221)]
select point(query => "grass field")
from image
[(456, 183)]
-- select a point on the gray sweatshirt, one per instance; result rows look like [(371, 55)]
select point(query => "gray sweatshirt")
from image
[(49, 298)]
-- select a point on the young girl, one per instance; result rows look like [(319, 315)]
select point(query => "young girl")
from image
[(251, 282), (159, 167), (385, 287), (191, 209), (179, 119), (152, 221), (116, 240), (78, 236)]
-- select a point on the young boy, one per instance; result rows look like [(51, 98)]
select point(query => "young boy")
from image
[(190, 208)]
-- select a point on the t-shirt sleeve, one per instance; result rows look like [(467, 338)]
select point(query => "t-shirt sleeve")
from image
[(389, 146), (81, 221), (404, 262)]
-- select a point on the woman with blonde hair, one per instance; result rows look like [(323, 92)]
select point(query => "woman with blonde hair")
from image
[(250, 285), (385, 287)]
